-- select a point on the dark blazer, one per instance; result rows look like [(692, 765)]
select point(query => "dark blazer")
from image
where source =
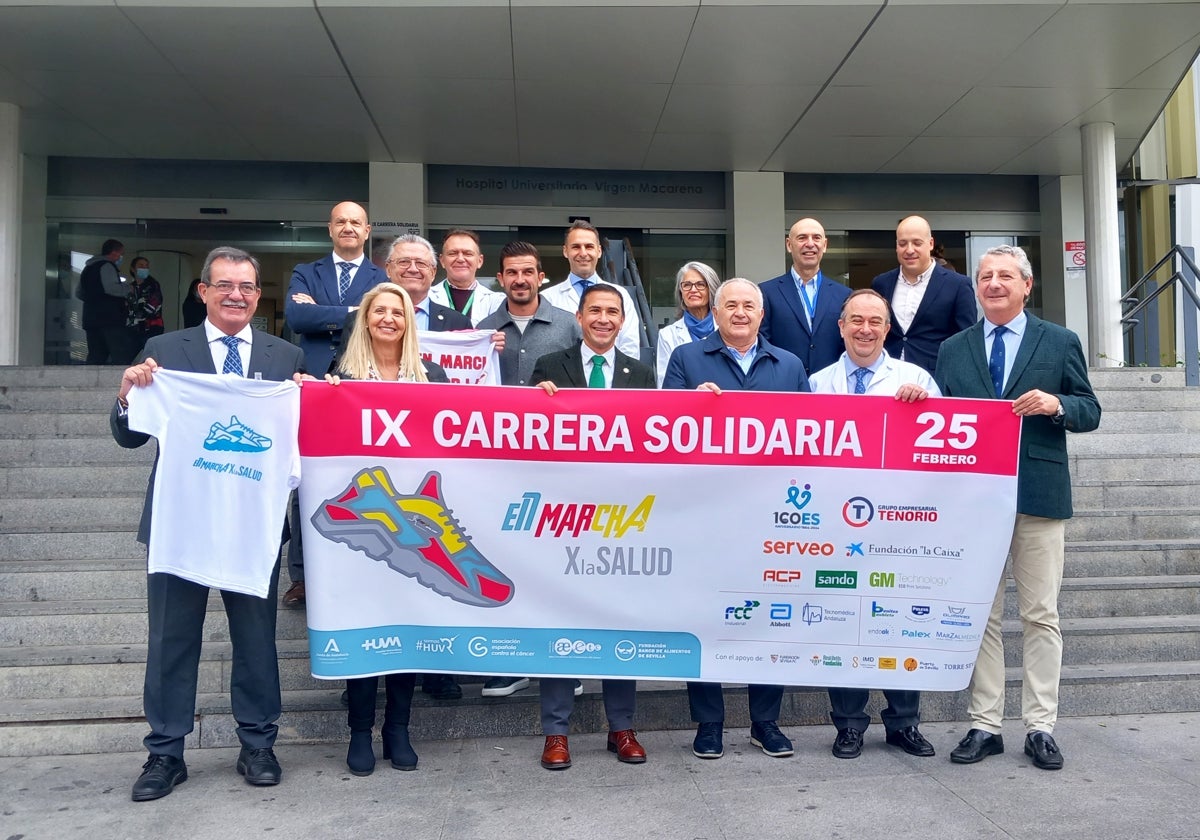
[(319, 326), (785, 324), (441, 319), (707, 360), (187, 350), (565, 369), (1049, 359), (947, 308)]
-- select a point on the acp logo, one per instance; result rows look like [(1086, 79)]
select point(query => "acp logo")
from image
[(781, 575), (858, 511)]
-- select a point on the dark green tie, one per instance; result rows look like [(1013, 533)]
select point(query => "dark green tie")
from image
[(596, 379)]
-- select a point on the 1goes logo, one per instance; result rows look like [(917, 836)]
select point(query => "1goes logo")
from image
[(797, 513)]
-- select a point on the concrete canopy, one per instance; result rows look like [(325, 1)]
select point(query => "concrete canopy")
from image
[(855, 86)]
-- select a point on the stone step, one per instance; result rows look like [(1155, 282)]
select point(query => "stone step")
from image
[(1100, 597), (1132, 524), (1135, 558), (117, 512), (72, 452), (1101, 466), (1098, 495), (47, 672), (83, 398), (54, 424), (31, 377), (58, 482), (72, 545), (113, 724), (70, 580), (1167, 421), (1135, 378), (1147, 442)]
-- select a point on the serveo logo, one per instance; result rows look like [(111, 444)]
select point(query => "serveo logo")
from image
[(858, 511)]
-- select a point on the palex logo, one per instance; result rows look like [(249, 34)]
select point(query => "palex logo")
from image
[(858, 511), (781, 575), (920, 612), (625, 650), (812, 614), (740, 614), (574, 647), (796, 515), (855, 550)]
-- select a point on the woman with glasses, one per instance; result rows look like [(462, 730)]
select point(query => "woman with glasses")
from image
[(695, 290), (382, 347)]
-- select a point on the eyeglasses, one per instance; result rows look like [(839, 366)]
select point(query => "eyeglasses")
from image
[(405, 262), (247, 289), (689, 285)]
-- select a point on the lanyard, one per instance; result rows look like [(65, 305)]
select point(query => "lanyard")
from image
[(810, 305), (449, 297)]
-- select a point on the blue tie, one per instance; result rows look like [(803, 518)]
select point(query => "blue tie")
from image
[(233, 359), (996, 360), (860, 380), (344, 280)]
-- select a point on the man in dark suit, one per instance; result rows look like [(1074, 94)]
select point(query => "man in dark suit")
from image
[(412, 263), (801, 308), (930, 303), (231, 289), (1039, 366), (594, 363), (319, 297), (321, 293), (735, 356)]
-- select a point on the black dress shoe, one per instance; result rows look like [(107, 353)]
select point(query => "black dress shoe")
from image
[(260, 767), (911, 741), (159, 776), (976, 746), (1041, 748), (441, 687), (848, 744)]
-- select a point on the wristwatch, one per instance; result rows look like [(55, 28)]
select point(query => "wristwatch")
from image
[(1058, 415)]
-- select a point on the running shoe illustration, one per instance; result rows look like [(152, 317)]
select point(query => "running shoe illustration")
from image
[(414, 534), (236, 437)]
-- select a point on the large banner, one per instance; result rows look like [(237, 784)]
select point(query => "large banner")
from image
[(742, 537)]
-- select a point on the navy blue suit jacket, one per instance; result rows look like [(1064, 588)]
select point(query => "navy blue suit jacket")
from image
[(785, 324), (707, 360), (947, 308), (565, 369), (319, 326), (1049, 359)]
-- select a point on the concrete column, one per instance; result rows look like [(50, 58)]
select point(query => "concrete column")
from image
[(397, 203), (10, 229), (1063, 283), (1105, 344), (756, 225), (31, 347)]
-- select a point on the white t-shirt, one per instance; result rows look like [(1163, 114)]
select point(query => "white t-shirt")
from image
[(227, 459), (468, 356)]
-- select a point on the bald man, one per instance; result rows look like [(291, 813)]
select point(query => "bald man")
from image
[(930, 303)]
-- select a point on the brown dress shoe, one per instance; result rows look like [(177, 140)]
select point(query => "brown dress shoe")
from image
[(556, 755), (293, 599), (625, 745)]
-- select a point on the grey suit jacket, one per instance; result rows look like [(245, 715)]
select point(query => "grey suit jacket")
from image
[(187, 350), (1049, 359), (565, 369)]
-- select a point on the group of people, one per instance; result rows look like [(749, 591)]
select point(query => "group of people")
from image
[(913, 335), (120, 314)]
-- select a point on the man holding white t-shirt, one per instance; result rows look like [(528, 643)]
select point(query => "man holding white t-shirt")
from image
[(230, 288)]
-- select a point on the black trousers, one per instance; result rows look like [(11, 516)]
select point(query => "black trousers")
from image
[(177, 609), (850, 708), (707, 702), (360, 696)]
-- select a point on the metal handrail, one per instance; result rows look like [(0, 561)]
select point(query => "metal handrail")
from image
[(1186, 277)]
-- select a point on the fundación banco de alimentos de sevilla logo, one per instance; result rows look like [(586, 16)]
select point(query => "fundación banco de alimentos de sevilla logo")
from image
[(414, 534)]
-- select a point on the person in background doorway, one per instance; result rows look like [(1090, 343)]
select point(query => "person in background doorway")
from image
[(145, 305)]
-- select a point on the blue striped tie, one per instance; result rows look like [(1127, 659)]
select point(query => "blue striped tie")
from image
[(344, 280), (233, 359), (996, 360)]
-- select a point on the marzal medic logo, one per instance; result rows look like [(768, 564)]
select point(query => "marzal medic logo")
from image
[(414, 534), (235, 437)]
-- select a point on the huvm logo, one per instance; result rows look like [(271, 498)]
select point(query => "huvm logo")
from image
[(383, 643)]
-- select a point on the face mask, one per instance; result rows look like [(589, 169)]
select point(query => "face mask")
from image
[(118, 261), (142, 273)]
